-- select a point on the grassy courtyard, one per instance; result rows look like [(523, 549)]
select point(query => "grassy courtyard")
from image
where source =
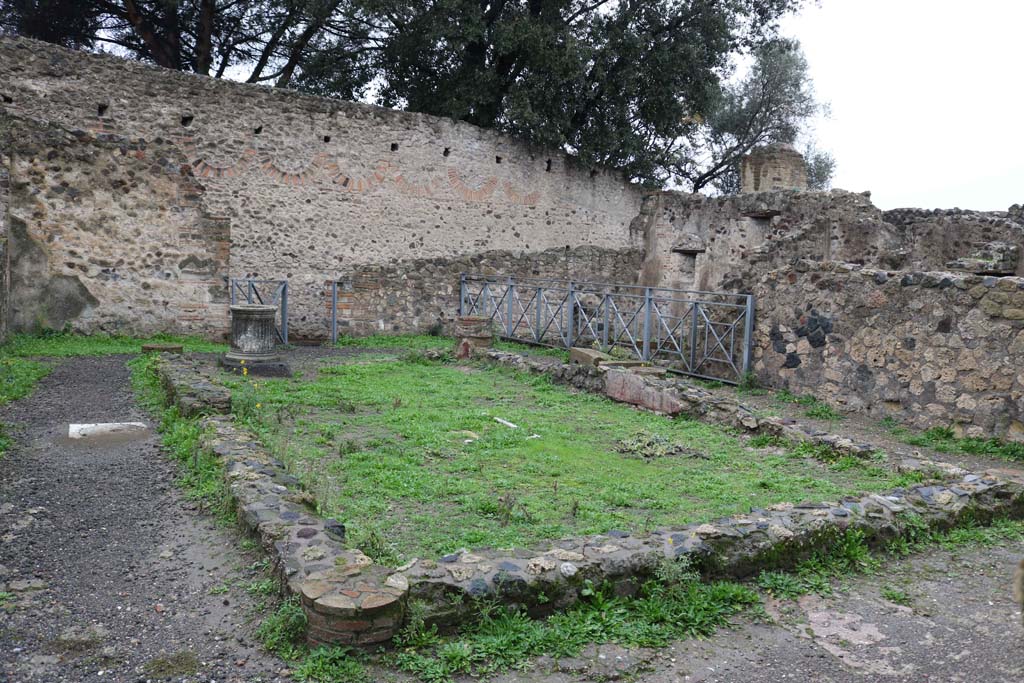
[(410, 455)]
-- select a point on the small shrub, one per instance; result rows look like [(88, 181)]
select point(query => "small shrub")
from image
[(331, 665), (750, 386), (284, 632), (823, 411), (782, 585), (895, 595)]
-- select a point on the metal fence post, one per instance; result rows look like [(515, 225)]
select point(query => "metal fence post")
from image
[(334, 312), (510, 292), (537, 336), (748, 334), (571, 300), (284, 312), (604, 326), (693, 335), (462, 294), (250, 290), (646, 355)]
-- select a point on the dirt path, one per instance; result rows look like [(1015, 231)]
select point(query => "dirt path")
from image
[(108, 573)]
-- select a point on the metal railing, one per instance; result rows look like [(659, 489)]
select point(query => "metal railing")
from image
[(703, 334), (270, 292)]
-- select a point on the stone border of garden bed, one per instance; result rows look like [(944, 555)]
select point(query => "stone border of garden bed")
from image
[(350, 600)]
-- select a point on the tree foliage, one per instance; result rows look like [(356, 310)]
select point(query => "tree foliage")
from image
[(640, 85), (772, 103)]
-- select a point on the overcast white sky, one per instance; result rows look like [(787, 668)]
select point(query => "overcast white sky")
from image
[(927, 98)]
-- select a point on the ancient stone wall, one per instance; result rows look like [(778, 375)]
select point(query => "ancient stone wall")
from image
[(928, 348), (423, 293), (934, 238), (5, 186), (108, 234), (135, 179), (708, 243)]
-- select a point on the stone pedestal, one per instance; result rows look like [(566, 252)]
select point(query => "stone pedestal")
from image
[(254, 341), (471, 334)]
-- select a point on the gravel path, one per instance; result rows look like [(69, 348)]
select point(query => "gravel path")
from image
[(107, 572), (959, 626)]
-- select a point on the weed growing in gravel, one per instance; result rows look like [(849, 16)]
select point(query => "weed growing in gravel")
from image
[(5, 598), (848, 554), (331, 665), (504, 638), (944, 440), (179, 664), (201, 473), (18, 378), (896, 596), (283, 633), (915, 535)]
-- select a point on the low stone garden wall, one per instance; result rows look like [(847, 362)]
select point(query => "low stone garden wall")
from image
[(927, 348), (188, 385), (350, 600)]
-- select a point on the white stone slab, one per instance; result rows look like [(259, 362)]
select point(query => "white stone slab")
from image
[(84, 431)]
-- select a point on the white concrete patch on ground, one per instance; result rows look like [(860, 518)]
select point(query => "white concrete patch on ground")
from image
[(84, 431)]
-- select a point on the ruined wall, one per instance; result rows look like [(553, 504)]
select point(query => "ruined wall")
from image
[(161, 170), (107, 234), (934, 238), (709, 243), (5, 186), (384, 298), (773, 167), (929, 348)]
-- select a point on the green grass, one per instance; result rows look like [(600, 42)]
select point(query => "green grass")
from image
[(504, 639), (944, 440), (409, 342), (201, 473), (426, 342), (18, 377), (284, 632), (409, 455), (847, 554), (916, 535), (63, 344), (814, 407)]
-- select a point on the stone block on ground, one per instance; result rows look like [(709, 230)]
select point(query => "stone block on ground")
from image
[(623, 363), (162, 348), (649, 370), (585, 356)]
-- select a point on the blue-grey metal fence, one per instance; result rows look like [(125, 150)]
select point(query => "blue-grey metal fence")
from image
[(270, 292), (703, 334)]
